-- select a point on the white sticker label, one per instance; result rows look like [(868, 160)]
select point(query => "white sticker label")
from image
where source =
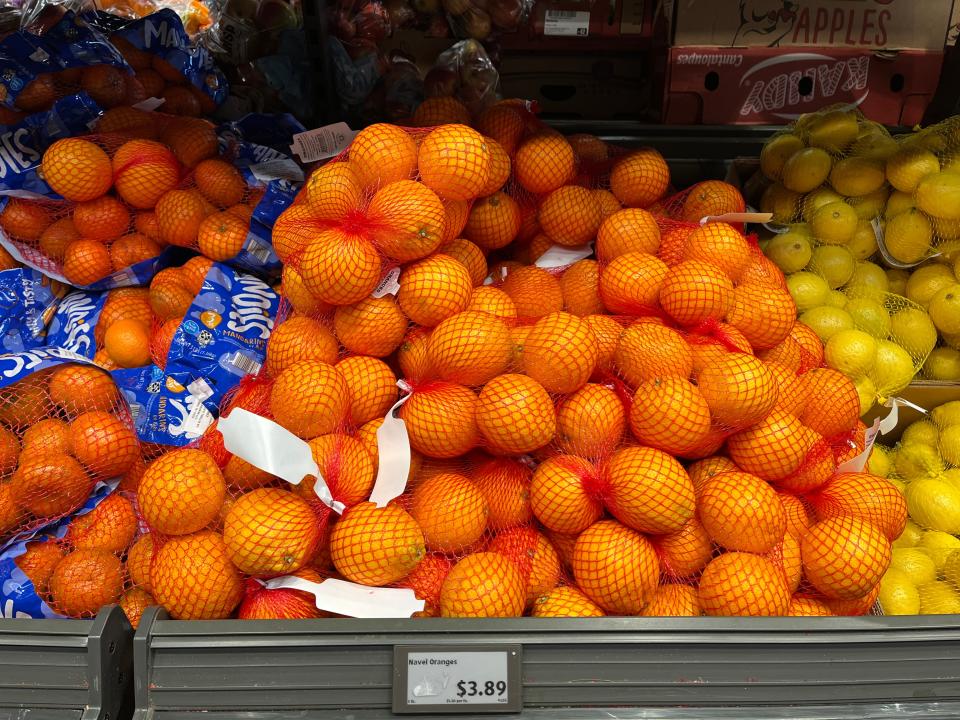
[(322, 143), (279, 169), (389, 285), (566, 23), (150, 104), (558, 256), (393, 455), (457, 678), (198, 419), (354, 600), (200, 389)]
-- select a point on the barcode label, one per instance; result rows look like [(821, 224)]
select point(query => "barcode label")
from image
[(278, 169), (260, 251), (199, 419), (135, 409), (244, 363), (566, 23), (322, 143)]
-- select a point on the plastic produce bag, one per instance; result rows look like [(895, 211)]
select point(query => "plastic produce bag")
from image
[(28, 301), (464, 71)]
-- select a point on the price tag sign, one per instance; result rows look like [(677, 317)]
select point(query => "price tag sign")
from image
[(459, 679)]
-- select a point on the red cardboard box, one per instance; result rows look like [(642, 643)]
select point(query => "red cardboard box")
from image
[(772, 86), (584, 25)]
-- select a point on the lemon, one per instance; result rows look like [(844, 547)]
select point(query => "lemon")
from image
[(920, 432), (775, 153), (897, 203), (950, 162), (892, 370), (914, 563), (912, 329), (790, 251), (939, 195), (827, 321), (863, 244), (926, 281), (952, 340), (833, 131), (869, 315), (944, 309), (783, 203), (938, 598), (951, 569), (934, 504), (870, 205), (817, 199), (943, 365), (906, 168), (908, 236), (952, 476), (852, 352), (868, 278), (938, 545), (866, 393), (946, 414), (806, 169), (837, 299), (918, 462), (857, 176), (878, 463), (899, 484), (910, 537), (950, 255), (898, 596), (834, 263), (808, 290), (874, 143), (834, 223), (945, 230), (950, 445)]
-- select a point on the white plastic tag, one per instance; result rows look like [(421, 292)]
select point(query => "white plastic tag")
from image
[(322, 143), (353, 600), (880, 426), (274, 449), (561, 256), (389, 285), (150, 104), (745, 217), (490, 280), (393, 453), (277, 169)]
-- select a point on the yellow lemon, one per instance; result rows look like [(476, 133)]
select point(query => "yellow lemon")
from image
[(817, 199), (878, 463), (934, 504), (837, 299), (906, 168), (783, 203), (869, 315), (926, 281), (892, 370), (908, 236), (834, 263), (910, 537), (863, 244), (951, 569), (808, 290), (898, 596), (913, 329), (918, 462), (920, 432), (775, 153), (944, 309), (946, 414), (852, 352), (938, 598), (897, 203), (806, 169), (938, 545), (949, 445), (790, 251), (866, 393), (867, 278), (942, 365), (897, 280), (833, 131), (915, 564), (834, 223), (938, 194), (872, 204), (857, 176), (827, 321)]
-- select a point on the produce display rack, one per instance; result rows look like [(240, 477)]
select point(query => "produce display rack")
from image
[(60, 670), (572, 669)]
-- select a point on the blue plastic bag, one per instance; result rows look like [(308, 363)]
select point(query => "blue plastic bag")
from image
[(73, 323), (28, 302)]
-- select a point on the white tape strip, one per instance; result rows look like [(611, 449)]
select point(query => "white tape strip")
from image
[(393, 453), (560, 255), (744, 217), (274, 449), (353, 600)]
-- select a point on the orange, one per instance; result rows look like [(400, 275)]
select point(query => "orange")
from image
[(372, 386), (333, 191), (787, 353), (483, 584), (833, 406), (441, 419), (76, 388), (180, 101), (382, 154), (534, 291), (454, 162), (180, 214), (193, 579), (580, 284), (607, 332), (493, 222), (505, 485), (859, 606), (124, 304), (685, 552), (719, 244), (470, 348), (143, 171), (799, 515), (762, 271), (864, 496), (609, 205), (470, 256), (12, 514), (774, 448), (434, 289), (145, 223), (457, 212), (110, 526), (375, 546), (169, 296), (648, 351), (310, 398), (181, 492), (426, 581), (47, 434), (544, 163), (125, 120), (739, 389), (563, 494), (631, 283), (374, 326), (24, 220), (765, 315), (221, 236), (590, 422), (139, 560), (77, 169), (537, 247), (616, 567), (742, 512), (844, 557), (24, 403), (86, 261), (451, 510), (39, 94), (589, 148), (219, 182), (570, 215), (515, 415), (704, 469), (503, 123), (715, 340), (103, 443), (499, 167), (695, 291), (439, 110), (191, 140), (294, 228), (270, 532), (133, 602), (565, 601), (648, 490), (84, 581), (299, 338), (346, 466), (673, 242), (162, 340), (409, 220), (131, 249), (340, 268), (742, 584), (560, 352), (808, 607), (105, 84), (152, 82), (640, 179), (241, 475), (533, 555), (55, 238), (128, 343), (670, 414), (295, 291), (810, 344), (674, 600), (711, 197), (39, 560)]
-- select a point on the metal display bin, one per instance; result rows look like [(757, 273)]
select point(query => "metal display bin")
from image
[(66, 669), (571, 669)]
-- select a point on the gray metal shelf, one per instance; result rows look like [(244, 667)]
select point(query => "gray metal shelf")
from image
[(703, 668), (61, 669)]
